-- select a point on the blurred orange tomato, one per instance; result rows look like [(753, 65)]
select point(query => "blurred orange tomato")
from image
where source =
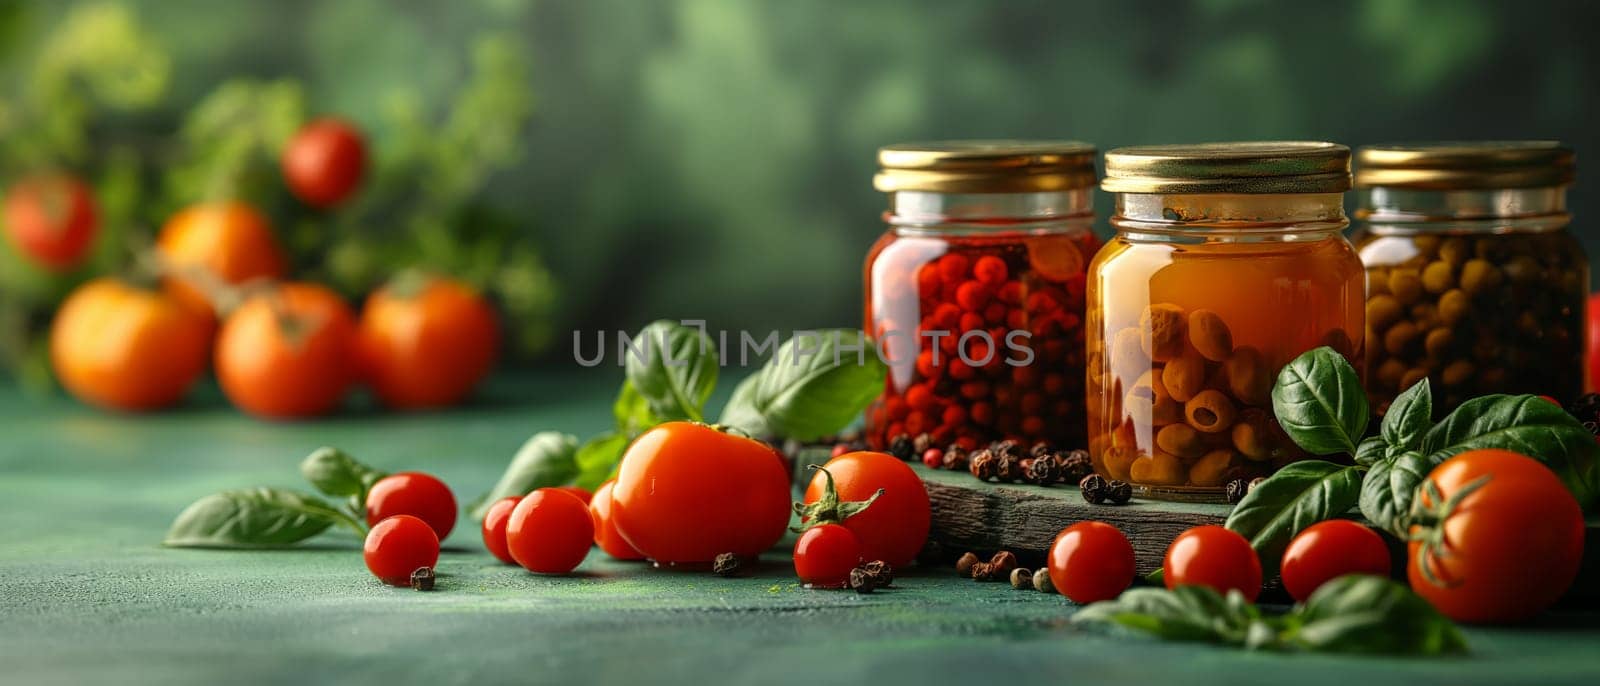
[(325, 161), (51, 219), (127, 348), (425, 342), (228, 243), (287, 352)]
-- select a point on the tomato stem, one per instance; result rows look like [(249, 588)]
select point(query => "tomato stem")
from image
[(829, 509), (1425, 525)]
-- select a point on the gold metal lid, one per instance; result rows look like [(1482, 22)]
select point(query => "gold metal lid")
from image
[(1466, 165), (1254, 167), (985, 166)]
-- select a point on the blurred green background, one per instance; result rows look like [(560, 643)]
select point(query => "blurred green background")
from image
[(601, 163)]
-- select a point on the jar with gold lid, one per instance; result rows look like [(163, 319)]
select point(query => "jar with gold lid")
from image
[(1229, 261), (1474, 281), (975, 291)]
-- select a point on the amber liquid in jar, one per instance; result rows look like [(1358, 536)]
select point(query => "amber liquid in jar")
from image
[(1023, 289), (1186, 340)]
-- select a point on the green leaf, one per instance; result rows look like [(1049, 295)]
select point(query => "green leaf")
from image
[(598, 456), (674, 368), (252, 518), (335, 473), (1319, 401), (546, 459), (1389, 488), (1297, 496), (1524, 424), (1409, 417), (1186, 613), (805, 394), (1371, 450), (1371, 615), (632, 411)]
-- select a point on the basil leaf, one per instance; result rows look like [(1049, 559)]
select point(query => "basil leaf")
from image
[(1297, 496), (335, 473), (1371, 451), (1370, 614), (1186, 613), (1319, 401), (1389, 488), (546, 459), (674, 368), (597, 457), (631, 411), (252, 518), (804, 393), (1409, 417), (1523, 424)]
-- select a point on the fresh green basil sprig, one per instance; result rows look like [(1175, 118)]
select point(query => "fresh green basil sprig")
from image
[(1351, 614), (270, 517), (810, 387)]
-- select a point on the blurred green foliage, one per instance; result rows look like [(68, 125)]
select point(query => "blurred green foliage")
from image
[(712, 159)]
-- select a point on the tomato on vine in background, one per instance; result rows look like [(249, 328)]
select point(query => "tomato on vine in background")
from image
[(119, 346), (206, 247), (287, 352), (325, 161), (426, 341), (51, 219)]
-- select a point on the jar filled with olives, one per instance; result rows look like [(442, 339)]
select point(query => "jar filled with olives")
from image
[(1229, 261), (1473, 280)]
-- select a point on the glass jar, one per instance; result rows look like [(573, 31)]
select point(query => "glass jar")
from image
[(1473, 280), (975, 292), (1229, 261)]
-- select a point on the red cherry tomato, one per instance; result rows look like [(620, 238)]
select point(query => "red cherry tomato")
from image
[(579, 491), (1328, 550), (895, 527), (1090, 562), (494, 528), (398, 546), (416, 494), (605, 530), (550, 532), (687, 493), (825, 554), (1507, 550), (51, 220), (1216, 557), (325, 161)]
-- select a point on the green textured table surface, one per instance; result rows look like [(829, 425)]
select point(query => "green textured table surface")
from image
[(88, 596)]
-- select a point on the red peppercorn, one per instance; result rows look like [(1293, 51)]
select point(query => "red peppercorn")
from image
[(919, 397), (990, 270), (994, 314), (1033, 426), (972, 296), (970, 321), (916, 423), (945, 317), (928, 280), (1017, 320), (982, 413), (975, 390), (1012, 293), (933, 458), (1040, 301), (953, 267), (955, 415)]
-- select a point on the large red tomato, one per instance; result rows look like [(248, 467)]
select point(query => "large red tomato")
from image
[(51, 219), (687, 493), (288, 353), (225, 243), (895, 527), (1506, 549), (324, 162), (425, 342), (127, 348)]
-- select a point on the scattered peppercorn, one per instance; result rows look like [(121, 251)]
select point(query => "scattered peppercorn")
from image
[(1587, 410), (955, 457), (901, 447), (422, 579), (1042, 582), (1007, 448), (1040, 449), (981, 572), (1021, 578), (862, 581), (965, 564), (727, 565), (1002, 563), (1094, 488), (1236, 489), (1074, 466), (933, 458), (881, 573), (922, 443), (1119, 492), (1010, 468), (1254, 483), (984, 465), (1044, 470)]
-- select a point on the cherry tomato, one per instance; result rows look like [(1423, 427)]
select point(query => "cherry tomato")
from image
[(324, 161), (51, 219), (895, 527), (226, 242), (425, 342), (494, 528), (287, 353), (825, 554), (1216, 557), (1592, 323), (128, 348), (1507, 549), (398, 546), (549, 532), (1090, 562), (416, 494), (687, 493), (605, 530), (1328, 550)]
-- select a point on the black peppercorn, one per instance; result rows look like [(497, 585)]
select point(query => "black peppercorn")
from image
[(1094, 489), (862, 581), (1040, 449), (980, 572), (727, 564), (1001, 564), (1119, 492), (1074, 466), (955, 457), (984, 465), (901, 447), (1587, 410), (880, 572), (1011, 468), (422, 579), (1044, 470), (1008, 447), (1235, 490), (922, 443)]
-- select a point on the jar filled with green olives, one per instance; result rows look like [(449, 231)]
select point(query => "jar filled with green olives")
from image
[(1474, 281)]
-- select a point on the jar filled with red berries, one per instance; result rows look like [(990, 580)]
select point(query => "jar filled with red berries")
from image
[(975, 293)]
